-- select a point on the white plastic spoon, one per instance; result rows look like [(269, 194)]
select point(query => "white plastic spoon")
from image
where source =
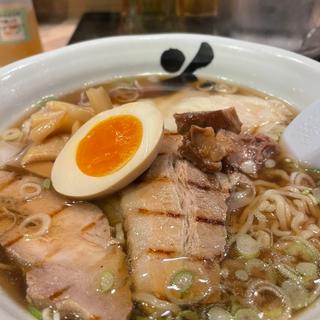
[(302, 136)]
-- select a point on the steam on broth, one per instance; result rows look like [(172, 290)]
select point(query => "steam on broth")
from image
[(263, 262)]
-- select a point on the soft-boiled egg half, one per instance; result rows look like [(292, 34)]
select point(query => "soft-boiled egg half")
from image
[(109, 151)]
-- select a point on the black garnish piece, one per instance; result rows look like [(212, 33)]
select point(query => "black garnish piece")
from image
[(172, 60), (203, 57)]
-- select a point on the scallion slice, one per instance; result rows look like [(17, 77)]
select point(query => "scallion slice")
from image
[(182, 281), (35, 312), (247, 246), (187, 315), (46, 184), (302, 248), (106, 281), (308, 270), (13, 134), (298, 295), (43, 101), (313, 170), (217, 313), (241, 275), (246, 314), (288, 272), (274, 313), (306, 191)]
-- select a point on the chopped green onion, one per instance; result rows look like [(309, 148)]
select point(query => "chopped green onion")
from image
[(308, 270), (241, 275), (247, 246), (246, 314), (302, 248), (297, 294), (35, 312), (217, 313), (269, 163), (43, 101), (306, 191), (188, 315), (288, 272), (255, 264), (12, 134), (274, 313), (182, 281), (313, 170), (106, 281), (119, 233), (46, 184)]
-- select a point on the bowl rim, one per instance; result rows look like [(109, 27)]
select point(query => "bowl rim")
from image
[(235, 43), (238, 45)]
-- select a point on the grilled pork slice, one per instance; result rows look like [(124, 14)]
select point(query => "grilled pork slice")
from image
[(175, 222), (63, 266)]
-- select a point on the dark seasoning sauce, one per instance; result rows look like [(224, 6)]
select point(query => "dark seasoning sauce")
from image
[(12, 282)]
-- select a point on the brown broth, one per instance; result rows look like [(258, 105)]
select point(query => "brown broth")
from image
[(152, 83), (12, 282), (233, 289)]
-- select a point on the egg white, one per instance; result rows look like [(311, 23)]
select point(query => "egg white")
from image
[(69, 180)]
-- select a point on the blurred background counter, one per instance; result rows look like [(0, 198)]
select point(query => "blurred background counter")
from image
[(56, 35), (290, 24)]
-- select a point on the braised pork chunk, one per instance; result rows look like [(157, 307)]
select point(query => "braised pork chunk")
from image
[(212, 142), (226, 119)]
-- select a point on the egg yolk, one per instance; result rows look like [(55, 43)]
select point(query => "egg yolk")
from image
[(109, 145)]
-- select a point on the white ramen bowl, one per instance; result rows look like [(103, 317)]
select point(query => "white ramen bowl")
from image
[(277, 72)]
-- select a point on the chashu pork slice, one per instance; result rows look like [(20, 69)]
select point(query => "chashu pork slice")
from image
[(63, 267), (175, 222)]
